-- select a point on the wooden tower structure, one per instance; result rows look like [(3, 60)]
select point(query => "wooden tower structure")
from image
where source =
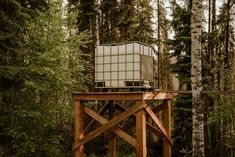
[(144, 112)]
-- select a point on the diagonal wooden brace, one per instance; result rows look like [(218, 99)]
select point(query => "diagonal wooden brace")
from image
[(117, 131), (155, 130), (159, 108), (109, 125), (102, 110), (159, 124)]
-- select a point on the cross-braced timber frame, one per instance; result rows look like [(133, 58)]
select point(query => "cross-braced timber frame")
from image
[(139, 112)]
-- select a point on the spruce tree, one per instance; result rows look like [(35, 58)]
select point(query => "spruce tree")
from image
[(38, 73), (182, 111)]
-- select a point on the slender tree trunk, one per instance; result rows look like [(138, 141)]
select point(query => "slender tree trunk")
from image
[(98, 23), (208, 129), (227, 53), (215, 76), (159, 45), (196, 78), (213, 52), (209, 29), (233, 54)]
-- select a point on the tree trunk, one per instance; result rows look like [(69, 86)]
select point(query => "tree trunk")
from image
[(196, 80), (227, 53), (98, 22), (159, 46)]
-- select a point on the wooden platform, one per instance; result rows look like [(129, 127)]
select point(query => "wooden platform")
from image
[(139, 112)]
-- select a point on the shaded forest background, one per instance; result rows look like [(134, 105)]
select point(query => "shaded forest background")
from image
[(47, 53)]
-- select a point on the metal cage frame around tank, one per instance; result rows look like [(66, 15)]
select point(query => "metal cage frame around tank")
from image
[(124, 65)]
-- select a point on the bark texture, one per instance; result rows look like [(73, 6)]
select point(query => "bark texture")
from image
[(196, 80)]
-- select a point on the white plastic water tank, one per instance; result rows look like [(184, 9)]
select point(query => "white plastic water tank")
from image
[(123, 65)]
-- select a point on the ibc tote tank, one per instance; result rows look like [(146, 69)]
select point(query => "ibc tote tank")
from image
[(124, 65)]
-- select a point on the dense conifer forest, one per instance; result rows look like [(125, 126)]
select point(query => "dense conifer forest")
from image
[(47, 52)]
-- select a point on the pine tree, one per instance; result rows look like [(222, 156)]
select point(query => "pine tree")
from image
[(85, 14), (134, 22), (142, 30), (164, 79), (108, 21), (127, 19), (13, 22), (181, 47), (38, 74)]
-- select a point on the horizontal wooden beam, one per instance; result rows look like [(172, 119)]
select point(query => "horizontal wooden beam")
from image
[(190, 92), (135, 96), (109, 125), (157, 96), (159, 124), (117, 131)]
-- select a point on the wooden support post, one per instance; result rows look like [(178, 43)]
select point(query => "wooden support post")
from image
[(167, 125), (112, 140), (78, 127), (141, 148), (112, 147)]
